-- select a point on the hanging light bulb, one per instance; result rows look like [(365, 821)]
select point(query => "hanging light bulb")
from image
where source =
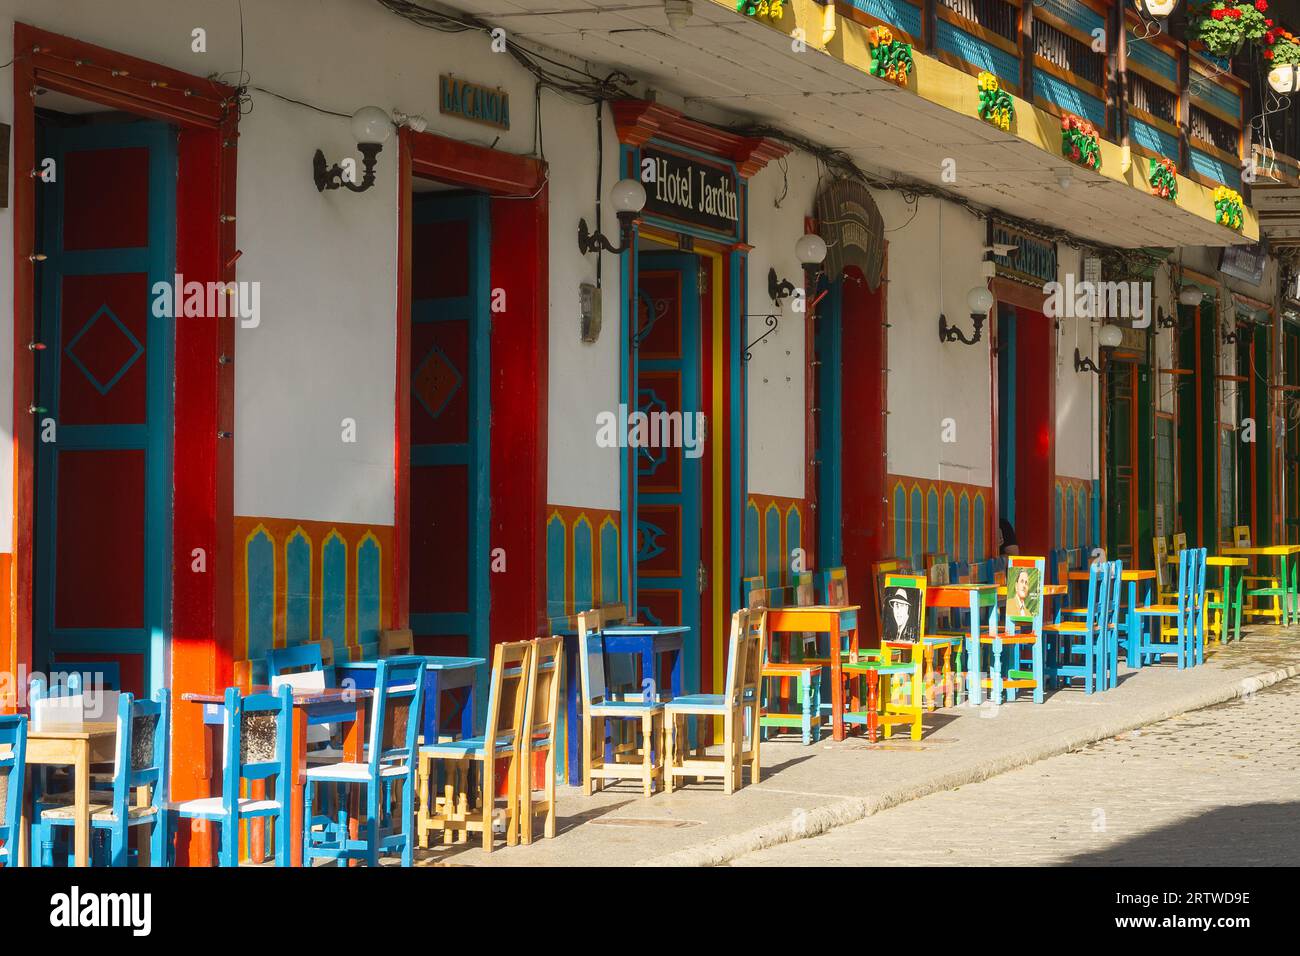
[(1109, 336), (1190, 295), (678, 13)]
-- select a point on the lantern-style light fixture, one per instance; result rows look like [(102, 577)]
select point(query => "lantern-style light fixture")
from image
[(1108, 337), (979, 300), (372, 127), (810, 250), (628, 199), (1159, 8), (1190, 295)]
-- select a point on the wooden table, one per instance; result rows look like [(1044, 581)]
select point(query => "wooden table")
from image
[(1282, 552), (76, 746), (333, 705), (441, 674), (972, 598), (835, 621)]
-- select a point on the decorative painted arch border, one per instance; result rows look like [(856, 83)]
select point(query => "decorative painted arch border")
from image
[(774, 527), (1075, 500), (303, 580), (928, 515), (583, 560)]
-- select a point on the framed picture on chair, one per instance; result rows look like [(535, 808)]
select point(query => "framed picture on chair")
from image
[(1024, 590)]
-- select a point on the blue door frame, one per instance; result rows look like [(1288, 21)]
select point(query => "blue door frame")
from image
[(828, 348), (157, 261), (474, 454)]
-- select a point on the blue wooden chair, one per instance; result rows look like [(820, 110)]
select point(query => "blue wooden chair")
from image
[(296, 659), (1188, 614), (389, 766), (1078, 649), (143, 745), (258, 731), (13, 767)]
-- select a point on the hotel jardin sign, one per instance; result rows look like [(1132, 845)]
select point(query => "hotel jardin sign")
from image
[(688, 190), (478, 104)]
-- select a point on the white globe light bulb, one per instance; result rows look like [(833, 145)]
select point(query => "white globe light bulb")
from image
[(1190, 295), (980, 299), (628, 195), (810, 249), (1109, 336), (370, 124)]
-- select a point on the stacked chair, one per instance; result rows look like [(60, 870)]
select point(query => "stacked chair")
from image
[(1080, 649), (1188, 614)]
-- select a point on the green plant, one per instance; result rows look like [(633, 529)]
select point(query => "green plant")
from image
[(1226, 26), (1079, 141), (1163, 179)]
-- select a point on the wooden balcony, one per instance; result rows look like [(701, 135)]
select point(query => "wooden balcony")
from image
[(1152, 94)]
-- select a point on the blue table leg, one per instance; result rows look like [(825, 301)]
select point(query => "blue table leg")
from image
[(1134, 628), (432, 707), (572, 721), (973, 689)]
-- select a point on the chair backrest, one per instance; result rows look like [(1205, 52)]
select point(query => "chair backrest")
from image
[(305, 680), (738, 646), (13, 767), (591, 657), (805, 593), (508, 690), (142, 747), (68, 705), (1099, 574), (259, 734), (545, 671), (395, 711), (396, 642), (295, 659), (1191, 583), (1025, 578), (1241, 536), (1180, 541), (835, 586), (1115, 585), (903, 618)]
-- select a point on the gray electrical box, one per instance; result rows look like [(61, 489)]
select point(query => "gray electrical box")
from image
[(589, 307)]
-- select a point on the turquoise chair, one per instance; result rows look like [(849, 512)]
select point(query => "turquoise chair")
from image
[(1079, 649), (1188, 615), (389, 765), (143, 745), (258, 734), (13, 767)]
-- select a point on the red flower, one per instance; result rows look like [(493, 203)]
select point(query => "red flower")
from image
[(1261, 5), (1268, 54), (1235, 13), (1268, 23), (1216, 14), (1268, 38)]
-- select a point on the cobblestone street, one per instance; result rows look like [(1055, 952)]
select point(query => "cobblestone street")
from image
[(1219, 786)]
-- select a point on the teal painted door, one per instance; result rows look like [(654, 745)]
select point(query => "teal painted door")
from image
[(450, 427), (666, 344), (102, 572)]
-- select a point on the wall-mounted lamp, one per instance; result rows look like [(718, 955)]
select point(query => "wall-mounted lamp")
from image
[(628, 198), (810, 250), (678, 13), (1159, 8), (1108, 337), (1230, 334), (980, 300), (372, 127), (1190, 295), (1164, 321)]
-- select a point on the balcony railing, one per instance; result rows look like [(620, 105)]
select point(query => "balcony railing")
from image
[(1152, 93)]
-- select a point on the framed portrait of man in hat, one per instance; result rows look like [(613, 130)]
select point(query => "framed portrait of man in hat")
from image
[(903, 614)]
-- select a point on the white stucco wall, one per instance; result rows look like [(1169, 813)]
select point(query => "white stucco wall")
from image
[(776, 415), (929, 380), (1076, 392)]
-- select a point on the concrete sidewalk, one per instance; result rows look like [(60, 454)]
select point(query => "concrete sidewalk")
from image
[(807, 790)]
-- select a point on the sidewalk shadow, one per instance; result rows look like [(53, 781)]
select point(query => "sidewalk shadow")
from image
[(1256, 834)]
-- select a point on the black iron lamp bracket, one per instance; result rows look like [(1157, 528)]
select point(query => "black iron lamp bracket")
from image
[(595, 242), (777, 290), (950, 333), (1085, 364), (331, 177), (1166, 321)]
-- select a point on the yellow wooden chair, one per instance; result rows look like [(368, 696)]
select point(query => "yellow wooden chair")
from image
[(899, 667), (464, 805), (541, 707), (396, 642), (729, 706), (1269, 610)]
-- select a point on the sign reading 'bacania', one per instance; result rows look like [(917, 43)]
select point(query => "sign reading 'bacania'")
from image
[(689, 190)]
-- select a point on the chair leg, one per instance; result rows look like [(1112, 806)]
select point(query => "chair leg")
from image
[(647, 753), (488, 799), (282, 835), (548, 830), (514, 787), (229, 854), (586, 754), (668, 728), (730, 752)]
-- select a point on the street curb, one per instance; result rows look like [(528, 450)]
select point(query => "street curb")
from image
[(818, 821)]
